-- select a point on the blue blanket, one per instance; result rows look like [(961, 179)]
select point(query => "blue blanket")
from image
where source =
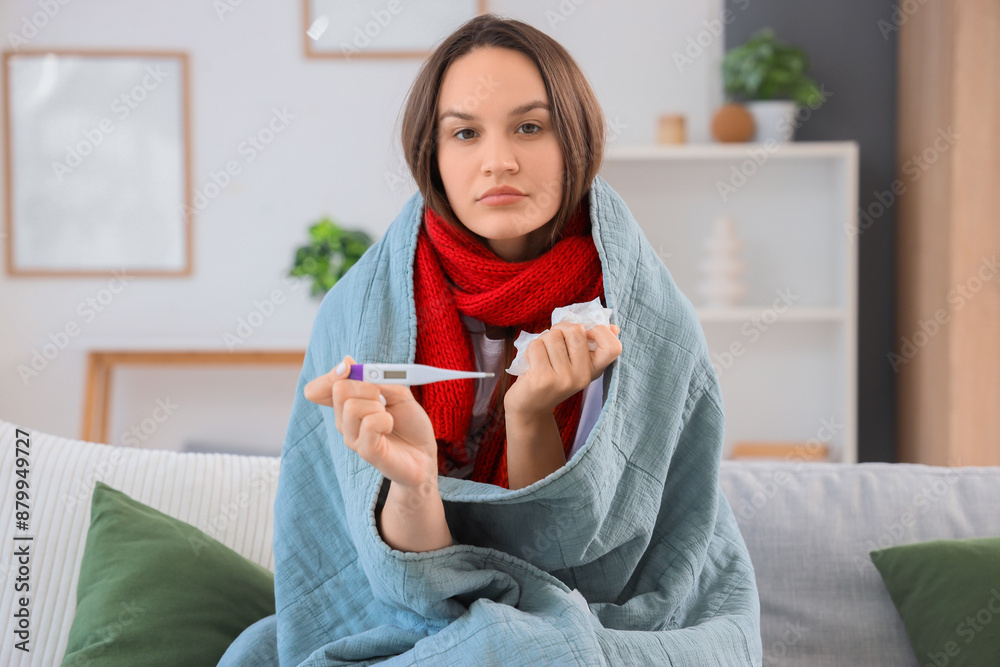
[(636, 521)]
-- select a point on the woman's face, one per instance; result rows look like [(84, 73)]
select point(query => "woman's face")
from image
[(495, 129)]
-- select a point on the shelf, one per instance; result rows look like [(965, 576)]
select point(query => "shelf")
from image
[(786, 354), (708, 151)]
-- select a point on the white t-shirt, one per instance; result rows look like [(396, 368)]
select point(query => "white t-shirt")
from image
[(489, 355)]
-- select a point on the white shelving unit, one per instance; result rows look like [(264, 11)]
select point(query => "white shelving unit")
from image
[(786, 357)]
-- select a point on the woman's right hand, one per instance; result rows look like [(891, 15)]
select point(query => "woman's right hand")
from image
[(396, 438)]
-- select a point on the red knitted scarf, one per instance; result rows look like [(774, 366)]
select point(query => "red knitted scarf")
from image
[(498, 293)]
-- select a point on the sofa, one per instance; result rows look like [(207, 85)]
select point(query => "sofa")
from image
[(808, 526)]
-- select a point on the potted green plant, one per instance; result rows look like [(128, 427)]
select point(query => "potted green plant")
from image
[(330, 253), (769, 78)]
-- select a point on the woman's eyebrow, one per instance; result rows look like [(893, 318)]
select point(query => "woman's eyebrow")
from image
[(517, 111)]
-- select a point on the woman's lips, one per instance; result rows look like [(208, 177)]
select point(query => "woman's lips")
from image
[(501, 200)]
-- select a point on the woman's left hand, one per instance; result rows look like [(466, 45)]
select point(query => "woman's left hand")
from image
[(560, 364)]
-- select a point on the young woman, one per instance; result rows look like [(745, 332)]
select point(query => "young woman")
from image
[(570, 515), (505, 261)]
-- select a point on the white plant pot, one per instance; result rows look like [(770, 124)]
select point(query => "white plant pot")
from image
[(775, 119)]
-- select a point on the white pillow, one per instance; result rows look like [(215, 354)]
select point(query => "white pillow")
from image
[(229, 497)]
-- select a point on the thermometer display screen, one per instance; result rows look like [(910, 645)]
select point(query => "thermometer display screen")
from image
[(394, 375)]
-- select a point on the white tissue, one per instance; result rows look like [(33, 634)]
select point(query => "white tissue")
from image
[(587, 313)]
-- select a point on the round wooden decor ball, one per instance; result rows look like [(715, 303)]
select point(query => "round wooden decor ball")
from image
[(732, 122)]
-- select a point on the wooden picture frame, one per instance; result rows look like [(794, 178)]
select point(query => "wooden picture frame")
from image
[(101, 366), (97, 162), (383, 29)]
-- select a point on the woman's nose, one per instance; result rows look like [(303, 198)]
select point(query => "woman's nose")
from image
[(499, 157)]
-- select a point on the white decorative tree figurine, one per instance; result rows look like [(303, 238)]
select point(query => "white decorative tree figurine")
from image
[(722, 269)]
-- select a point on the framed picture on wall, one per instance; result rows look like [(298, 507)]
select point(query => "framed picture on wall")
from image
[(97, 159), (348, 29)]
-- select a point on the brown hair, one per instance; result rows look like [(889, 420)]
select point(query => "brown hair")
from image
[(577, 120)]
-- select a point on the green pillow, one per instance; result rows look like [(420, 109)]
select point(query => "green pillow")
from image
[(948, 594), (154, 590)]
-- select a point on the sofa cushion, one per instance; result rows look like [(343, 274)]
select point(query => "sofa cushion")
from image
[(809, 527), (948, 595), (228, 497), (157, 591)]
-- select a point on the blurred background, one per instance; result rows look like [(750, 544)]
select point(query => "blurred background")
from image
[(185, 180)]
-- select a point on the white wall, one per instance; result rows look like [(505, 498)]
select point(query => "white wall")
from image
[(337, 157)]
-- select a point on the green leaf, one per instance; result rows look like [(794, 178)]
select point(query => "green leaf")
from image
[(764, 68), (331, 252)]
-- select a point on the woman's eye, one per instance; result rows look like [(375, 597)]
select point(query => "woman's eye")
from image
[(537, 129)]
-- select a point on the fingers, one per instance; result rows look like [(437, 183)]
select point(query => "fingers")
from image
[(360, 418), (538, 356), (363, 399), (574, 351), (333, 391), (320, 390), (608, 346), (605, 335), (360, 410), (370, 442), (566, 347), (555, 348), (395, 394)]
